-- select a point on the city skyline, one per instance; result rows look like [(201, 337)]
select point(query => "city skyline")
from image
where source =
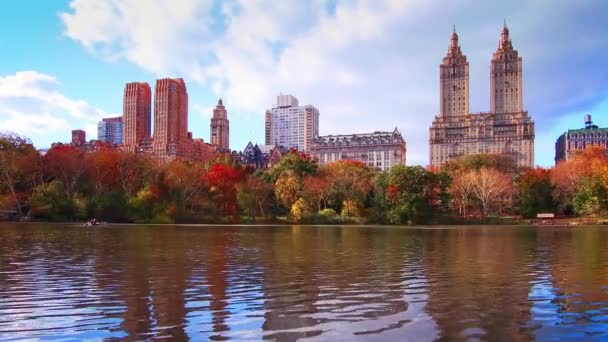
[(81, 75)]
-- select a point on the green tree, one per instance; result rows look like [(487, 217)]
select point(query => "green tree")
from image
[(591, 197), (536, 193), (299, 163), (408, 193)]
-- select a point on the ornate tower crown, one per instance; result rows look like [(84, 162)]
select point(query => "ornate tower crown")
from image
[(454, 54), (505, 47)]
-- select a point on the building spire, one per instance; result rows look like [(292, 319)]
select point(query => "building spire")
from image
[(505, 23), (454, 39)]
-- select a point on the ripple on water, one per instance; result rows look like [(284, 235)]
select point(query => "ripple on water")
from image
[(283, 283)]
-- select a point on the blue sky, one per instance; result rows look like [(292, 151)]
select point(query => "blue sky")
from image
[(367, 65)]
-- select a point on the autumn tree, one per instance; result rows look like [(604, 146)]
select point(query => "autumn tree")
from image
[(132, 171), (186, 182), (102, 167), (535, 192), (351, 181), (461, 190), (287, 188), (491, 188), (503, 163), (408, 191), (297, 162), (66, 164), (300, 209), (223, 180), (567, 175), (13, 150), (316, 189), (255, 196)]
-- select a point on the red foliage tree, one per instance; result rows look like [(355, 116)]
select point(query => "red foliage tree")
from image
[(66, 164), (223, 180)]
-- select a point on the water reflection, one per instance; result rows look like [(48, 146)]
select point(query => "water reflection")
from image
[(309, 283)]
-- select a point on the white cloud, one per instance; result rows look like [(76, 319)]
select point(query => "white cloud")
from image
[(366, 64), (32, 105)]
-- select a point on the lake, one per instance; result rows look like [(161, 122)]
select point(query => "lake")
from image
[(288, 283)]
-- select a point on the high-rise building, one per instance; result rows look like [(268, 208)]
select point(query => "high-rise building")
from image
[(506, 129), (220, 127), (171, 119), (454, 78), (381, 150), (110, 130), (576, 140), (290, 125), (79, 137), (136, 114)]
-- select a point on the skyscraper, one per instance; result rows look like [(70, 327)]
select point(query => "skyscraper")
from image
[(220, 127), (136, 114), (290, 125), (171, 118), (110, 130), (454, 77), (506, 129), (506, 91)]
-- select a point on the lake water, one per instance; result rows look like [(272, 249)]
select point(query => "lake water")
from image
[(63, 282)]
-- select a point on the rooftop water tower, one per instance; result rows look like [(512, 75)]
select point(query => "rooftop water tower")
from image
[(588, 122)]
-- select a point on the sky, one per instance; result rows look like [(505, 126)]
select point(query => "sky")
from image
[(367, 65)]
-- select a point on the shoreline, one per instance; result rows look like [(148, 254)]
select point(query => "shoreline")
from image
[(261, 225)]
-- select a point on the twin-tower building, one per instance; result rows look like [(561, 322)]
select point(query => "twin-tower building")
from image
[(171, 138), (505, 129)]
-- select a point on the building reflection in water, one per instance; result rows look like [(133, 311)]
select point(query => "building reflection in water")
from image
[(479, 282), (289, 283), (570, 293)]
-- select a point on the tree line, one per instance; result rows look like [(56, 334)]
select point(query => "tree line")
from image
[(66, 184)]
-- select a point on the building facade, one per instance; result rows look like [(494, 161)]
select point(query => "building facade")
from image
[(260, 156), (220, 127), (79, 137), (290, 125), (506, 129), (381, 150), (110, 130), (170, 118), (137, 114), (576, 140)]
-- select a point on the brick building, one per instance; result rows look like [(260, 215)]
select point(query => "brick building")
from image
[(137, 113), (580, 139)]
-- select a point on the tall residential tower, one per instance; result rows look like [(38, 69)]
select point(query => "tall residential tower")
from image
[(136, 114), (170, 118), (291, 125), (506, 129), (220, 127)]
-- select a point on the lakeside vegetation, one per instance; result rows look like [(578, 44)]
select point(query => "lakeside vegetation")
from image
[(67, 184)]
